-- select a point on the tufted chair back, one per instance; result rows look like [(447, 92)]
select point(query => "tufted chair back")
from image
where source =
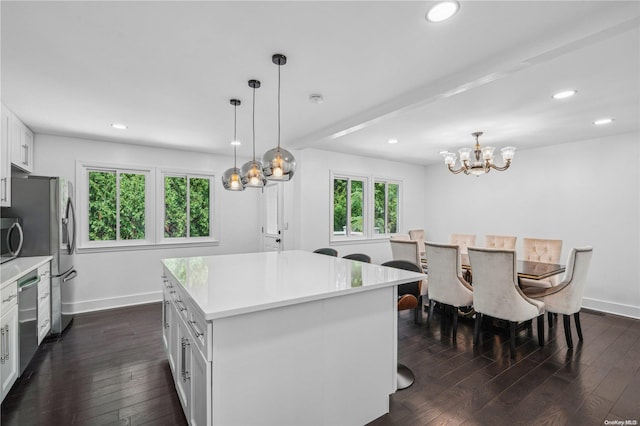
[(463, 240), (539, 250), (418, 235), (500, 242), (495, 286)]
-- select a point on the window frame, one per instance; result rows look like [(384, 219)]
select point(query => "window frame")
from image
[(349, 236), (386, 183), (82, 204), (162, 173)]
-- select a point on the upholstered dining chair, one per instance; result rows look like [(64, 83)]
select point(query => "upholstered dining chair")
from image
[(566, 297), (399, 237), (544, 251), (496, 293), (463, 240), (446, 285), (358, 256), (327, 251), (418, 235), (408, 250), (408, 298), (500, 242)]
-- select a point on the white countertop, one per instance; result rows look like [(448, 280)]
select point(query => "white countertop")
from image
[(16, 268), (227, 285)]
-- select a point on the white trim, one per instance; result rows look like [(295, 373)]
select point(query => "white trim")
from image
[(611, 307), (165, 245), (111, 302)]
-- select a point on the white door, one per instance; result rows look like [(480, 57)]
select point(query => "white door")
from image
[(272, 218)]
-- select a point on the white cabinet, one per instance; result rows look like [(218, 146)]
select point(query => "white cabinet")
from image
[(44, 301), (184, 344), (21, 145), (5, 159), (9, 351)]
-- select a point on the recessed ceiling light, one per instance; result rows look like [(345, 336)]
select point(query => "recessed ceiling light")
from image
[(392, 141), (603, 121), (442, 11), (118, 126), (236, 143), (316, 98), (565, 94)]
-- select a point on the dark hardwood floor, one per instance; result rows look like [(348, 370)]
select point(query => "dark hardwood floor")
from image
[(110, 368)]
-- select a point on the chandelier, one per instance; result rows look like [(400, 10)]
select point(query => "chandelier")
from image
[(483, 159)]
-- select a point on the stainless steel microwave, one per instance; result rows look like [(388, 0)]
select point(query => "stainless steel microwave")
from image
[(11, 238)]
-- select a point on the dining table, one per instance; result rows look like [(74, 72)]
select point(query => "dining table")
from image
[(525, 268)]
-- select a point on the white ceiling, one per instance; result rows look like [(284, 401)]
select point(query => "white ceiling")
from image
[(168, 70)]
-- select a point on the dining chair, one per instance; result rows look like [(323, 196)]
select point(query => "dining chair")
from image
[(543, 251), (496, 293), (399, 237), (500, 241), (446, 285), (409, 250), (358, 256), (408, 298), (463, 240), (327, 251), (418, 235), (566, 297)]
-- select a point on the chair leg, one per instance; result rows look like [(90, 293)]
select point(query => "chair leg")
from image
[(455, 322), (416, 311), (476, 330), (576, 318), (550, 319), (541, 330), (567, 330), (512, 338), (431, 306)]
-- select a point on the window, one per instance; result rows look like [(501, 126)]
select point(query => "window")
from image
[(187, 206), (349, 207), (385, 207), (361, 210), (136, 206), (117, 205)]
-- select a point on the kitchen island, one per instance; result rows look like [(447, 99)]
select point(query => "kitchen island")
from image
[(289, 338)]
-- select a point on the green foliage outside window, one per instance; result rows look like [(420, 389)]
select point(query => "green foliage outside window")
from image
[(385, 207), (340, 206), (177, 210), (132, 203), (357, 200), (102, 206)]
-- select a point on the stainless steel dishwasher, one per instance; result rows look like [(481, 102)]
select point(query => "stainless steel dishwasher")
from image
[(28, 317)]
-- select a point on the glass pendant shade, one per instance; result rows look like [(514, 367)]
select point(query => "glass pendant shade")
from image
[(278, 164), (231, 180), (251, 175)]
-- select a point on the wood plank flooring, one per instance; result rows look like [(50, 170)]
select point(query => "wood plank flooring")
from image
[(109, 368)]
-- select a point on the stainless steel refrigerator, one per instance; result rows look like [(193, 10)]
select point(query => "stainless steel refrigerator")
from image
[(45, 205)]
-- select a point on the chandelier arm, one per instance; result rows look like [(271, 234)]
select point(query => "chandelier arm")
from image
[(501, 169), (455, 172)]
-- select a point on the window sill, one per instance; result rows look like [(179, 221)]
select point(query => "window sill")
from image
[(344, 242), (148, 246)]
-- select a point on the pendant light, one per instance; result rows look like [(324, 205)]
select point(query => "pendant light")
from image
[(251, 172), (231, 178), (278, 163)]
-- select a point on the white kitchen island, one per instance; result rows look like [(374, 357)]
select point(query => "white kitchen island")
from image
[(289, 338)]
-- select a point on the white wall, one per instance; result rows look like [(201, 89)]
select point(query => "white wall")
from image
[(585, 193), (118, 278), (313, 198)]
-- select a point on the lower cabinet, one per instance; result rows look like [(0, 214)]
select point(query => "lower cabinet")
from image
[(190, 368), (9, 355)]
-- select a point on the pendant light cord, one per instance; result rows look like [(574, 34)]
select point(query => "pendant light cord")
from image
[(254, 125), (279, 66), (235, 137)]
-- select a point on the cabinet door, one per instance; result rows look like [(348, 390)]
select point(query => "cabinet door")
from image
[(21, 145), (173, 340), (201, 402), (5, 160), (9, 349), (183, 367)]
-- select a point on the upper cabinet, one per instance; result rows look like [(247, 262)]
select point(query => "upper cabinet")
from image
[(21, 145), (5, 159)]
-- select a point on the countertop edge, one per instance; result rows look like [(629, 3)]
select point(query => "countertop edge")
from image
[(21, 266)]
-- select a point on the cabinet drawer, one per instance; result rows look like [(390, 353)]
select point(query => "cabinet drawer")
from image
[(9, 296), (44, 319), (200, 331)]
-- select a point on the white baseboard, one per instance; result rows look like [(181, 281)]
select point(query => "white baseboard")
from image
[(112, 302), (611, 308)]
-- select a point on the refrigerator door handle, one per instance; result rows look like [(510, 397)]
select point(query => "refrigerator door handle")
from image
[(70, 275), (71, 236)]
